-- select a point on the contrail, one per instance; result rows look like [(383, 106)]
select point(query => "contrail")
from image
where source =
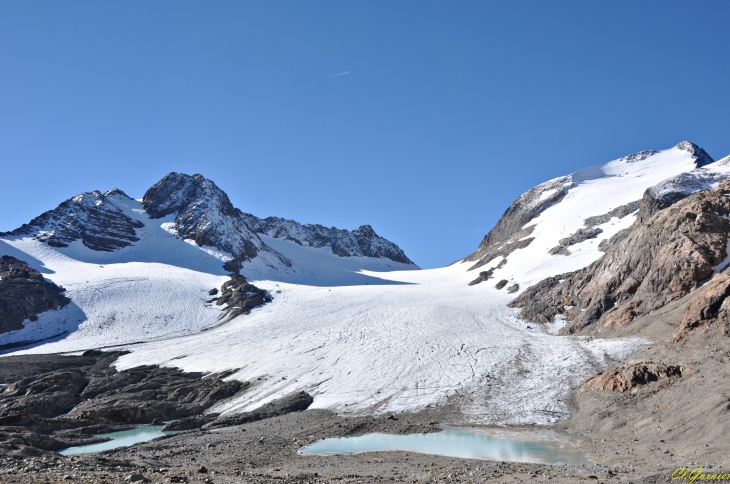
[(338, 75)]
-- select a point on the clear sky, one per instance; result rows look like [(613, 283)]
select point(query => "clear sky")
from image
[(423, 119)]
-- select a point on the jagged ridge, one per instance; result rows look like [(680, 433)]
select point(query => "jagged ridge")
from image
[(361, 242)]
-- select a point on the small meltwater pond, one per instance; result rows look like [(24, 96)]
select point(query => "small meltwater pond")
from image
[(124, 438), (541, 448)]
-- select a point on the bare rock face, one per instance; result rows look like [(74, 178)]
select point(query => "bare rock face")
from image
[(501, 284), (501, 248), (579, 236), (628, 377), (483, 276), (24, 294), (92, 217), (710, 305), (643, 269)]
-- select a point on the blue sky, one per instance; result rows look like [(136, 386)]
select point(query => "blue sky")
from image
[(448, 110)]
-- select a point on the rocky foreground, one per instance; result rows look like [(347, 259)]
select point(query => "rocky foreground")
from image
[(639, 423)]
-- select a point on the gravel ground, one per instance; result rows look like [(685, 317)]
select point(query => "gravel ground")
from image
[(266, 452)]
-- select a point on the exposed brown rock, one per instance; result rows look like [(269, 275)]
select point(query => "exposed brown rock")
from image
[(513, 288), (709, 304), (501, 284), (643, 269), (627, 377)]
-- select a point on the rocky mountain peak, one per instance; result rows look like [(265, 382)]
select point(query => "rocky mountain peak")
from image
[(175, 191), (204, 214), (700, 155), (116, 192), (91, 217)]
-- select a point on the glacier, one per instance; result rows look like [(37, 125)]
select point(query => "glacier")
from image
[(362, 335)]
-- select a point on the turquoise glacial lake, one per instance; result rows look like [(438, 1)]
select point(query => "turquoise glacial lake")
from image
[(547, 448), (124, 438)]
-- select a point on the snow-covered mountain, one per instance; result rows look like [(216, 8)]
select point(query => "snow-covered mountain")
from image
[(350, 322), (361, 242), (194, 209), (95, 218), (558, 226)]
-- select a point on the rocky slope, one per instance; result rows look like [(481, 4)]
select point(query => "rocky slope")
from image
[(24, 294), (644, 268)]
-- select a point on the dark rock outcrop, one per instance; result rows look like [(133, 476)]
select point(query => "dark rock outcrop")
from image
[(643, 269), (579, 236), (618, 212), (628, 377), (483, 276), (501, 284), (24, 294), (240, 296), (92, 217)]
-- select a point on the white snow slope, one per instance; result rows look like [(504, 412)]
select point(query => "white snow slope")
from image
[(362, 335), (596, 191)]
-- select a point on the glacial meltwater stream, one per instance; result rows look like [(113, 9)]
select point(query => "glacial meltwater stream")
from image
[(543, 448)]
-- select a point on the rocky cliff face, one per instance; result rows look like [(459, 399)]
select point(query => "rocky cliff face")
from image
[(645, 267), (361, 242), (24, 294), (91, 217)]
